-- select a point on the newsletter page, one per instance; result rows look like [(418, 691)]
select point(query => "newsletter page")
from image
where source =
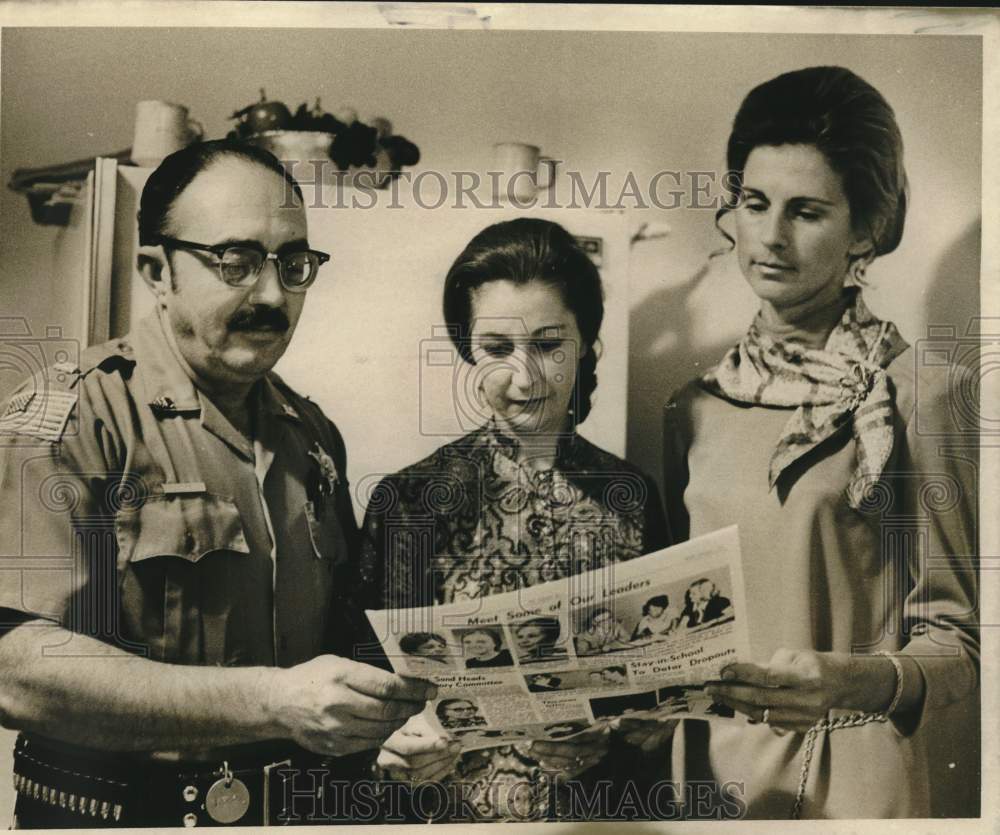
[(634, 638)]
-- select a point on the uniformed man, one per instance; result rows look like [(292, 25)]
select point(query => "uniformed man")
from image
[(178, 527)]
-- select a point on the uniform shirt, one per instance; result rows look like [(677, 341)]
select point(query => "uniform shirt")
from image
[(133, 511)]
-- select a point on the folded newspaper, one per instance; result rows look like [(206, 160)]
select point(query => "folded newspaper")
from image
[(638, 638)]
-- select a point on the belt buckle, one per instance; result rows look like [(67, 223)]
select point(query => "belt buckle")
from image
[(267, 787)]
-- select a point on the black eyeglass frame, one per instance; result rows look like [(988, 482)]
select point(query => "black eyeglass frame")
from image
[(219, 251)]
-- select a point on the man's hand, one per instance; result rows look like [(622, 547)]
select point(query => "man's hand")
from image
[(572, 757), (417, 753), (648, 735), (333, 705)]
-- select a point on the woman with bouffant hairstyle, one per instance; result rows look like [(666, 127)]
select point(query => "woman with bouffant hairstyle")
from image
[(805, 435), (518, 500)]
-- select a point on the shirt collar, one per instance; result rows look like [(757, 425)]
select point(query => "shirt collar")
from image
[(492, 437), (170, 389), (274, 402)]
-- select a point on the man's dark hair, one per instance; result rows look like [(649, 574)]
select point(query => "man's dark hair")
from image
[(176, 172)]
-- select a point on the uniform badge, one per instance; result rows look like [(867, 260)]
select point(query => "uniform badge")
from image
[(19, 403), (41, 415), (329, 478)]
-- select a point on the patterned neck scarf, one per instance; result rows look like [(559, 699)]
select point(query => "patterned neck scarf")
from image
[(845, 382)]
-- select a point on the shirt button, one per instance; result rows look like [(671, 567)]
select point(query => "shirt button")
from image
[(190, 819), (190, 793)]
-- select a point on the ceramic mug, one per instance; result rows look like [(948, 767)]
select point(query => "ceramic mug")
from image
[(160, 129), (523, 172)]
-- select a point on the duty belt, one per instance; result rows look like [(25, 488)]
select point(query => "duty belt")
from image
[(55, 789)]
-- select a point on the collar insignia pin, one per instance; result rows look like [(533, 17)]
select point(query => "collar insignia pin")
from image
[(162, 403)]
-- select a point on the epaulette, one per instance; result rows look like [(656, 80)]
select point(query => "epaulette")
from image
[(109, 357), (42, 406)]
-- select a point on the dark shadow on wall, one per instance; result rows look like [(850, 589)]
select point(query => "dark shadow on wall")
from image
[(663, 355), (953, 298)]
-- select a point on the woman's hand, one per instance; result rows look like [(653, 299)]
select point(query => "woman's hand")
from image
[(648, 735), (416, 753), (572, 757), (799, 687)]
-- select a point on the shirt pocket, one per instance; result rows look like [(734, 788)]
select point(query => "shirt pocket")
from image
[(185, 526), (325, 532), (173, 600)]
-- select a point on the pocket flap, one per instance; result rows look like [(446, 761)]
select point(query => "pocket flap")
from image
[(180, 525)]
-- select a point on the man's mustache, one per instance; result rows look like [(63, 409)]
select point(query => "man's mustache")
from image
[(259, 317)]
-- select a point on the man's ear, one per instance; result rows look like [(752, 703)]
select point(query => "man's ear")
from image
[(153, 266)]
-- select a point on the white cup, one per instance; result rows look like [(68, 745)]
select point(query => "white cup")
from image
[(160, 129), (523, 172)]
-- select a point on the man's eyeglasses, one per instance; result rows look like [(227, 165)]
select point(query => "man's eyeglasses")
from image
[(241, 266)]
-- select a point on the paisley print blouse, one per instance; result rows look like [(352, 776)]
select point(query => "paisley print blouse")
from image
[(470, 520)]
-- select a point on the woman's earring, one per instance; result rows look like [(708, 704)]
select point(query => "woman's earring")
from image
[(859, 261)]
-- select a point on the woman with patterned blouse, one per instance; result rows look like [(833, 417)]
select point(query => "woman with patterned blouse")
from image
[(521, 500)]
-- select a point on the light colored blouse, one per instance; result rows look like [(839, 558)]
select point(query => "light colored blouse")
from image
[(897, 575)]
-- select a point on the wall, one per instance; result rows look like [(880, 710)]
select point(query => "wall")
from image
[(619, 102)]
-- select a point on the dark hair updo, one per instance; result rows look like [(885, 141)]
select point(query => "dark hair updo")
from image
[(177, 171), (491, 633), (550, 628), (411, 643), (521, 251), (853, 126)]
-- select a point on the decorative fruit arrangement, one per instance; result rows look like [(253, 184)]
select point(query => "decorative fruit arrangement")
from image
[(261, 116), (353, 143)]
